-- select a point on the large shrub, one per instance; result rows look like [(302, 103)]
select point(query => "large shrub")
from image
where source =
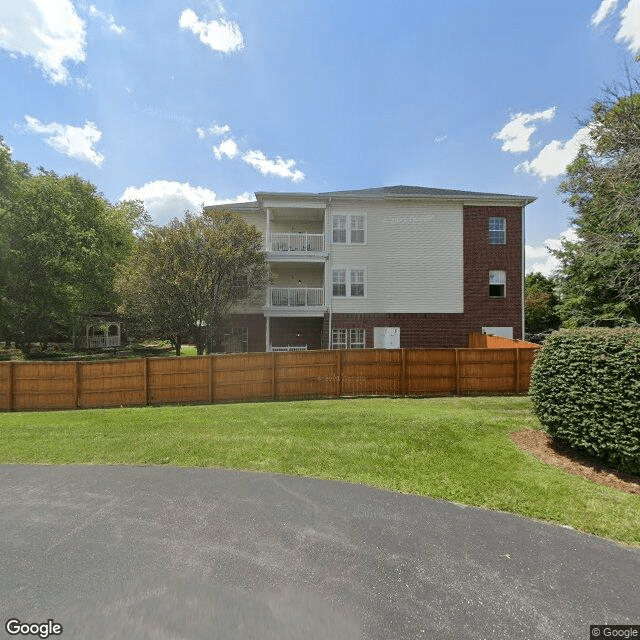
[(585, 387)]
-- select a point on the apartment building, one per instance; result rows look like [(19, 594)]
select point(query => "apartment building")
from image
[(385, 267)]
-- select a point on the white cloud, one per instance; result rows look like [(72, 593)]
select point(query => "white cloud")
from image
[(278, 167), (227, 148), (516, 134), (49, 31), (220, 35), (440, 139), (109, 20), (254, 158), (629, 31), (214, 130), (553, 159), (604, 10), (538, 258), (164, 199), (75, 142)]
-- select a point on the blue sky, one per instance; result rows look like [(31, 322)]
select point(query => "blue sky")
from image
[(192, 102)]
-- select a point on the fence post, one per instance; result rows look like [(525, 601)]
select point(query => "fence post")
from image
[(212, 369), (146, 380), (403, 380), (339, 373), (11, 374), (273, 375), (517, 370), (458, 390), (76, 386)]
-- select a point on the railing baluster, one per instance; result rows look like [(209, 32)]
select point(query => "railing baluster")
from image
[(303, 241), (297, 296)]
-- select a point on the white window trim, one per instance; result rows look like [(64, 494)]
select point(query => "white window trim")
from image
[(348, 271), (358, 342), (346, 227), (347, 217), (504, 230), (347, 333), (346, 281), (504, 283), (335, 342)]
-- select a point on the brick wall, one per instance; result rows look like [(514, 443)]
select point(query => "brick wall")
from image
[(256, 325), (417, 330), (480, 257)]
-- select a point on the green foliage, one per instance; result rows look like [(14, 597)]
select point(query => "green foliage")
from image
[(183, 278), (60, 242), (585, 387), (601, 270), (540, 303)]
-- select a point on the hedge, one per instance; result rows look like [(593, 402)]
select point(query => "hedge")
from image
[(585, 388)]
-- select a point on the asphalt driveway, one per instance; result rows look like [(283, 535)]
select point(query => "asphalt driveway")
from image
[(166, 553)]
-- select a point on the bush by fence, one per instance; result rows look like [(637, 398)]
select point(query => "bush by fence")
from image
[(586, 392), (262, 376)]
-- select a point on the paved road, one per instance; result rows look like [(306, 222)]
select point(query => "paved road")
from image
[(166, 553)]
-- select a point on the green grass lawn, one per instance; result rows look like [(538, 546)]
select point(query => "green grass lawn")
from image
[(450, 448)]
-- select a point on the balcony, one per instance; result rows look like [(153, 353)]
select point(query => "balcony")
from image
[(298, 242), (296, 297)]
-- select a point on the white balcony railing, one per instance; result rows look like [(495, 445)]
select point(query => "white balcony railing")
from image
[(297, 347), (297, 241), (297, 297)]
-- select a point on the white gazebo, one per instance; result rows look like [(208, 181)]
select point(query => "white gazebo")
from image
[(100, 333)]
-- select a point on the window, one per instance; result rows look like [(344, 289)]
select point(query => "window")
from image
[(348, 338), (354, 277), (340, 229), (339, 339), (357, 283), (357, 229), (356, 224), (356, 338), (497, 284), (497, 231), (340, 282)]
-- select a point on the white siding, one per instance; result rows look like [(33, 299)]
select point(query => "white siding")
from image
[(413, 258), (254, 218), (287, 275)]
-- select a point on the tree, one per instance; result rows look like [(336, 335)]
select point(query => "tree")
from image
[(184, 278), (601, 270), (59, 247), (11, 173), (540, 302)]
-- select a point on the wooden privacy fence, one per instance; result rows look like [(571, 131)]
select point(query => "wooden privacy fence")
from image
[(262, 376)]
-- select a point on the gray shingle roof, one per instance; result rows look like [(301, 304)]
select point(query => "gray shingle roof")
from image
[(403, 190), (398, 191)]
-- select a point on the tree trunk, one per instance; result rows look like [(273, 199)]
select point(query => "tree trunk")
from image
[(199, 339)]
